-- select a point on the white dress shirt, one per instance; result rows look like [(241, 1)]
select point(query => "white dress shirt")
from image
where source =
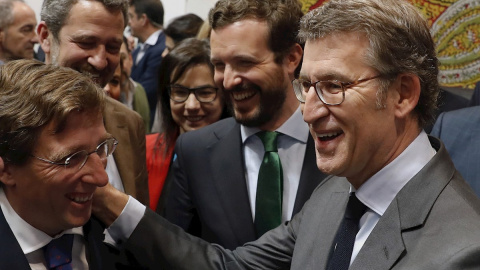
[(32, 240), (291, 144), (151, 41), (379, 191)]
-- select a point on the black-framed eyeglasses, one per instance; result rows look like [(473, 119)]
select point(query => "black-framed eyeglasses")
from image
[(77, 160), (203, 94), (330, 92)]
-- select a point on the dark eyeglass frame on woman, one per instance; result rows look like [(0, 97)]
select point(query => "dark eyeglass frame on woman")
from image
[(330, 92), (77, 160), (203, 94)]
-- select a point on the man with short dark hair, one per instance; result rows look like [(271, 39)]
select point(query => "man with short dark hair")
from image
[(368, 84), (146, 23), (218, 172), (86, 35), (17, 30), (53, 153)]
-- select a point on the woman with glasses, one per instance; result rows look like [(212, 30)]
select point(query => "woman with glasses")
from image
[(188, 100)]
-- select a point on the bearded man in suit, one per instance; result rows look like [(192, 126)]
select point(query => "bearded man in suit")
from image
[(217, 172), (86, 35), (368, 84)]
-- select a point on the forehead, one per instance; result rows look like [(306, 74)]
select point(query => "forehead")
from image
[(247, 37), (23, 14), (335, 54), (92, 18)]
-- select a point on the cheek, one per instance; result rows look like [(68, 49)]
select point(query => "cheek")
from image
[(214, 111), (177, 111)]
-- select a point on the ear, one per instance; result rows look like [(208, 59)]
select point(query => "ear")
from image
[(408, 93), (5, 174), (2, 34), (293, 58), (144, 19), (44, 37)]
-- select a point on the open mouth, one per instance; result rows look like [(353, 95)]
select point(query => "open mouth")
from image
[(80, 198), (194, 118), (329, 136), (242, 95)]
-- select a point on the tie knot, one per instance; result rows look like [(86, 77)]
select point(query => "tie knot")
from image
[(269, 140), (355, 208), (59, 251)]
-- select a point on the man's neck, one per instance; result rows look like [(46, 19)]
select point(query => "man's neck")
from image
[(147, 33)]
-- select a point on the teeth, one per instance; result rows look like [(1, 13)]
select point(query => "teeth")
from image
[(327, 135), (194, 118), (82, 199), (242, 95)]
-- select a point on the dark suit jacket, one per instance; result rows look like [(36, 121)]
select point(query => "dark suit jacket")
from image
[(431, 224), (127, 127), (146, 71), (460, 131), (210, 181), (99, 255)]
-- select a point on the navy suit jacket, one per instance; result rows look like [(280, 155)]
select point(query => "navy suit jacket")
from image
[(210, 182), (460, 132), (146, 71), (99, 255)]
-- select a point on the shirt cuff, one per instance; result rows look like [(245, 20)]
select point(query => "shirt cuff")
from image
[(121, 229)]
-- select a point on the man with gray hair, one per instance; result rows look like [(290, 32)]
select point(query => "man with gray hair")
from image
[(86, 35), (368, 85), (17, 30)]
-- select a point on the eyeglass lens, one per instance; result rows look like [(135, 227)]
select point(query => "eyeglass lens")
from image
[(203, 94)]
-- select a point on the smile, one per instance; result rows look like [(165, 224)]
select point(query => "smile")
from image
[(81, 199), (328, 136), (194, 118), (239, 96)]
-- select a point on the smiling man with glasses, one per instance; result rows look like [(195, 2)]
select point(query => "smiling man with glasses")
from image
[(53, 154)]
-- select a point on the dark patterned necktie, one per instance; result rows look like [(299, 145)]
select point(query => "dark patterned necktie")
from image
[(268, 205), (342, 248), (58, 253)]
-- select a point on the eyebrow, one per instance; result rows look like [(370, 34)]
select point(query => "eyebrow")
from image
[(333, 76)]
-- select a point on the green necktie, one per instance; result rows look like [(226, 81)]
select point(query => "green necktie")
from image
[(268, 206)]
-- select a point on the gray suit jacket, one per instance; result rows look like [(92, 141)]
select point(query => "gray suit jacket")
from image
[(460, 132), (210, 182), (433, 223), (127, 127)]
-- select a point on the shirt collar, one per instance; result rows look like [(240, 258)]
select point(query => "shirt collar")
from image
[(29, 238), (153, 38), (294, 127), (379, 191)]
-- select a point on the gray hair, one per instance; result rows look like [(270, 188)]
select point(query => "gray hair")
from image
[(400, 42), (55, 12), (6, 12)]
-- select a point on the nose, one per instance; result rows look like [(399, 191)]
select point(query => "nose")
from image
[(192, 103), (34, 38), (230, 78), (313, 108), (98, 58), (94, 171), (107, 89)]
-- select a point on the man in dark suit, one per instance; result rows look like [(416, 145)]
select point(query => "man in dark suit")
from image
[(87, 36), (368, 84), (53, 152), (216, 172), (146, 21)]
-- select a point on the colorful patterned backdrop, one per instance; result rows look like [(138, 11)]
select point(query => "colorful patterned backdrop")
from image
[(455, 27)]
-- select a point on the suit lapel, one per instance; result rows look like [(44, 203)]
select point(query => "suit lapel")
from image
[(407, 212), (115, 124), (230, 181), (310, 177), (93, 241), (11, 254)]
